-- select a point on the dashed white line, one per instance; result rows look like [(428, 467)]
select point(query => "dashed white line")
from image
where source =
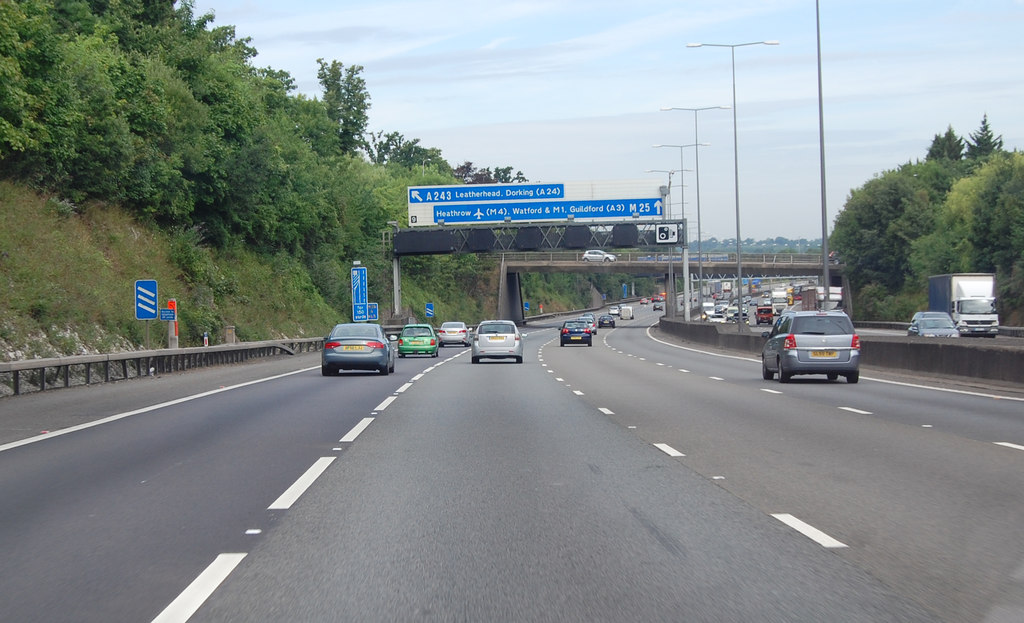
[(299, 487), (1007, 444), (384, 404), (667, 449), (408, 385), (716, 378), (809, 531), (771, 391), (606, 411), (858, 411), (577, 392), (358, 428), (189, 601)]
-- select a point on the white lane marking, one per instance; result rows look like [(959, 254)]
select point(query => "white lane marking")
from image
[(809, 531), (161, 405), (196, 593), (771, 391), (1007, 444), (718, 378), (299, 487), (606, 411), (561, 380), (384, 403), (420, 375), (358, 428), (687, 371), (863, 378), (253, 531), (661, 364), (667, 449), (408, 385), (577, 392), (858, 411)]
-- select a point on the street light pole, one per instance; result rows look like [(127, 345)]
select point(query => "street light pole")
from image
[(696, 166), (821, 149), (736, 167), (670, 290)]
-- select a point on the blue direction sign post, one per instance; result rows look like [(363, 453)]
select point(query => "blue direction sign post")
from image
[(360, 313), (146, 299), (430, 310), (372, 312)]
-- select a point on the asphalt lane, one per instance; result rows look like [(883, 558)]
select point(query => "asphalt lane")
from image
[(495, 492)]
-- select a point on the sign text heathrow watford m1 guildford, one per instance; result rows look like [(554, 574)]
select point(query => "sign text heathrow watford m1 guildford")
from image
[(496, 203)]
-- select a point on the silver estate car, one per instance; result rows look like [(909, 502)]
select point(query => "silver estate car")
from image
[(497, 339), (453, 332), (357, 346), (810, 342)]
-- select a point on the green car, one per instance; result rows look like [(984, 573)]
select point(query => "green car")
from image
[(417, 339)]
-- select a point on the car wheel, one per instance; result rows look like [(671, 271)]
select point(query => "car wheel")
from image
[(325, 371), (562, 344), (853, 377), (783, 375), (519, 360), (590, 343), (391, 368), (435, 354), (383, 370), (476, 360), (766, 374), (832, 376)]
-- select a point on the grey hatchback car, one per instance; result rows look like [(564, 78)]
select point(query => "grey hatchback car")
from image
[(497, 339), (357, 346), (811, 342)]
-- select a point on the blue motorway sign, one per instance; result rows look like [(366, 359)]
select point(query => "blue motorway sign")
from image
[(145, 299), (430, 310), (549, 210), (168, 315), (359, 285), (485, 192), (360, 313), (372, 312)]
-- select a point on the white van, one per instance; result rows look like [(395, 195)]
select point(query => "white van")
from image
[(625, 312)]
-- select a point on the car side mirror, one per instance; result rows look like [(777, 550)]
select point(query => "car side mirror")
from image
[(765, 334), (392, 338)]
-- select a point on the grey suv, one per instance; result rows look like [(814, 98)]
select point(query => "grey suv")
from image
[(812, 343)]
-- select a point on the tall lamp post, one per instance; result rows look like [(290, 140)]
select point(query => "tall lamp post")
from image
[(696, 147), (821, 151), (696, 166), (736, 163), (670, 290)]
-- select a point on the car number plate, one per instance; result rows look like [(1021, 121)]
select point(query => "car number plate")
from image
[(496, 338), (351, 348), (576, 337), (824, 354)]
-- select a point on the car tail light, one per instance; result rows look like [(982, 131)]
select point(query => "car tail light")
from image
[(400, 342), (565, 331), (790, 342), (855, 342), (332, 345), (433, 341), (587, 330), (376, 344), (517, 337)]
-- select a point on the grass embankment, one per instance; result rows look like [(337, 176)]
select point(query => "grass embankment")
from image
[(67, 278)]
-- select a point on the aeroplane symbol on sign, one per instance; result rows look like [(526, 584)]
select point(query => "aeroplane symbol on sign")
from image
[(479, 215)]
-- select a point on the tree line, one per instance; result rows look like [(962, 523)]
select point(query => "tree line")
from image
[(960, 209)]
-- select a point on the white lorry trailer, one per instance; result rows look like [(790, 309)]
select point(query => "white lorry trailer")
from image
[(969, 298)]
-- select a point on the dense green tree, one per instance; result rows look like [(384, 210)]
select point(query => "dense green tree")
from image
[(983, 143), (948, 146), (347, 101)]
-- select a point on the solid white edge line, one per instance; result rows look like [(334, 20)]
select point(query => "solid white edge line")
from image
[(196, 593), (358, 428), (667, 449), (1007, 444), (809, 531), (291, 495), (161, 405), (384, 404)]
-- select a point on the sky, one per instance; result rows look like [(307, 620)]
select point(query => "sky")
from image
[(573, 90)]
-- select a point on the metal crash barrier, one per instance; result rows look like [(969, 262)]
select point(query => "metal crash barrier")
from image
[(28, 375)]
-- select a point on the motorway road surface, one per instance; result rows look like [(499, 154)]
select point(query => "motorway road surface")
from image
[(637, 479)]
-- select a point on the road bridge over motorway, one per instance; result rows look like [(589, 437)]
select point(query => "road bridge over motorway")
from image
[(558, 248), (656, 264)]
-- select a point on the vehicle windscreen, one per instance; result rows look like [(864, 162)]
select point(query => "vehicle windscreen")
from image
[(937, 323), (417, 332), (822, 325), (977, 306), (494, 328), (362, 331)]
